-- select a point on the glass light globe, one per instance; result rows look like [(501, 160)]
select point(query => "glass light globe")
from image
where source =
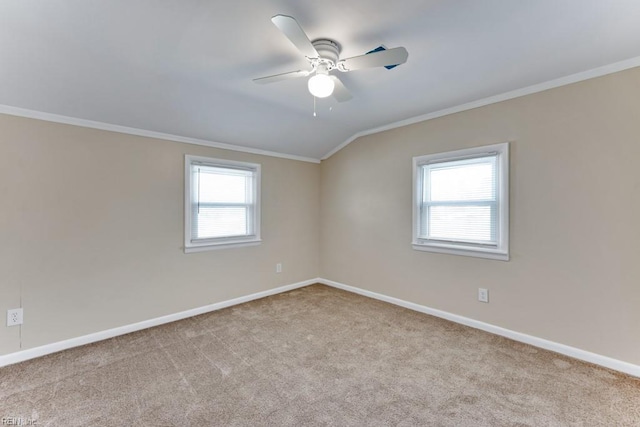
[(321, 85)]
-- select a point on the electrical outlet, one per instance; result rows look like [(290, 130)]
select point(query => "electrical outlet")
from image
[(483, 295), (279, 267), (14, 317)]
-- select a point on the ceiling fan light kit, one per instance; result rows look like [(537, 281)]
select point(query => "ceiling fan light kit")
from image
[(323, 56), (321, 85)]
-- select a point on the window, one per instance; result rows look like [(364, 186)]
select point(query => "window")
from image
[(461, 202), (222, 203)]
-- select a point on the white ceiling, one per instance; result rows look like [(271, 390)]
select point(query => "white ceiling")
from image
[(185, 67)]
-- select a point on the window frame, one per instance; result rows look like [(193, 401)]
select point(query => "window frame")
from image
[(191, 245), (500, 251)]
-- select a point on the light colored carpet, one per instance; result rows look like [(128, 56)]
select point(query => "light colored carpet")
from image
[(315, 356)]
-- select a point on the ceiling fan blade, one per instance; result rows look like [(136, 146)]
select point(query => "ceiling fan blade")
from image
[(340, 92), (397, 55), (282, 76), (294, 32)]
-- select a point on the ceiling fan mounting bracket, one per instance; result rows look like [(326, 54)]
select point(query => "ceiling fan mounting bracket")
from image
[(328, 52)]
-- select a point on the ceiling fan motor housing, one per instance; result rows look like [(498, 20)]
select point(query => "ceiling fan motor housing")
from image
[(328, 50)]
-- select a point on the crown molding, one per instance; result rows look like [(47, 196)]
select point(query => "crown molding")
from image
[(540, 87), (528, 90), (57, 118)]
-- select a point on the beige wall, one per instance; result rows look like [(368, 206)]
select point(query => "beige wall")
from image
[(574, 274), (91, 223), (91, 231)]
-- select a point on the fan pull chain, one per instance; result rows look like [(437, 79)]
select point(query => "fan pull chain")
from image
[(314, 107)]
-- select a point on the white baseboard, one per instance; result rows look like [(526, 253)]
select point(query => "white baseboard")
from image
[(21, 356), (576, 353), (597, 359)]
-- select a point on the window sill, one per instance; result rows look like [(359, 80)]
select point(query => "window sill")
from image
[(221, 245), (463, 250)]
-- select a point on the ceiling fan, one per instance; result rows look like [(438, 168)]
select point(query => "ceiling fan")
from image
[(323, 56)]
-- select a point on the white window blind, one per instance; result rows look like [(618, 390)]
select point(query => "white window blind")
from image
[(461, 202), (223, 202)]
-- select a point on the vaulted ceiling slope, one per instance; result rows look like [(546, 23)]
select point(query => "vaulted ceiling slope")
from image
[(186, 67)]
